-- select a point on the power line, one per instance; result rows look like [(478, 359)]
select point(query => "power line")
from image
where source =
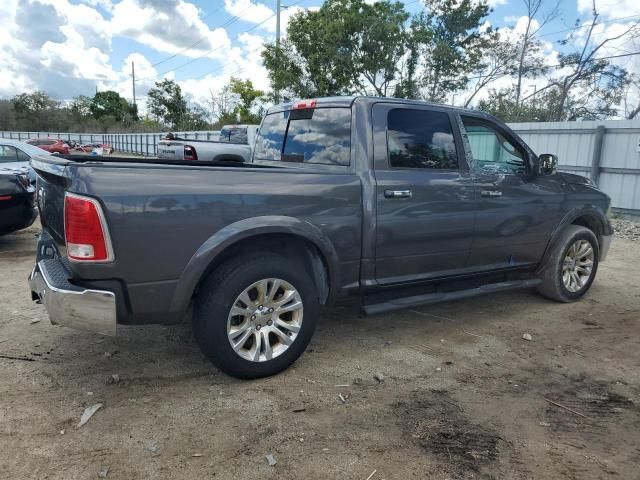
[(580, 27), (257, 25), (559, 65), (223, 25)]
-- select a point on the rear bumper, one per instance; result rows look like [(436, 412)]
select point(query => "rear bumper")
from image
[(16, 214), (70, 305), (605, 244)]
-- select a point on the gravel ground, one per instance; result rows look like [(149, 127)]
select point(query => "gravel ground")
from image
[(459, 394), (628, 229)]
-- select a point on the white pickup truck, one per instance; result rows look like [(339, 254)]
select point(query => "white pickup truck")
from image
[(235, 143)]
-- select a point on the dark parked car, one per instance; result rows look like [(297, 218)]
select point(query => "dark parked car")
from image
[(17, 154), (51, 145), (17, 207), (393, 203)]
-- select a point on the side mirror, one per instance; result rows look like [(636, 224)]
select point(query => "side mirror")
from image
[(547, 164)]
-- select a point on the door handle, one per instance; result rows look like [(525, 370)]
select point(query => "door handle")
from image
[(491, 193), (398, 193)]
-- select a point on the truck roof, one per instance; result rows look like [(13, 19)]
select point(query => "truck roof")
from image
[(348, 100)]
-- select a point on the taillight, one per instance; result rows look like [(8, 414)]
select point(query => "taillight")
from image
[(24, 181), (304, 104), (190, 153), (85, 230)]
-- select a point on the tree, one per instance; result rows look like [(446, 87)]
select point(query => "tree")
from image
[(109, 103), (347, 46), (35, 111), (247, 97), (593, 86), (166, 103), (632, 98), (81, 106), (447, 43), (500, 61), (528, 45), (502, 104)]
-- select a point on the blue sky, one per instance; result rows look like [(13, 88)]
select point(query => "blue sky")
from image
[(72, 47)]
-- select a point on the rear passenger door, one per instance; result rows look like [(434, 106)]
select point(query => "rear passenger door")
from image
[(424, 194)]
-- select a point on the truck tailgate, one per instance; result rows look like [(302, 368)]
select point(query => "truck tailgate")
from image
[(51, 184), (171, 150)]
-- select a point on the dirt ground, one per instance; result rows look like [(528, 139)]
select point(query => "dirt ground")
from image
[(463, 395)]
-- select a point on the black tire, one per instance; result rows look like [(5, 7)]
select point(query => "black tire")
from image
[(552, 285), (218, 294)]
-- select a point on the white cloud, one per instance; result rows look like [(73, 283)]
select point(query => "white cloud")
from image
[(610, 8), (65, 53), (260, 14), (248, 10), (170, 26)]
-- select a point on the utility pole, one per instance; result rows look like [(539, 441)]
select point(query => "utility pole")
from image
[(133, 80), (277, 23), (276, 93)]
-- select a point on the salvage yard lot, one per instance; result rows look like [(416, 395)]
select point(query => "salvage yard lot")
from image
[(463, 395)]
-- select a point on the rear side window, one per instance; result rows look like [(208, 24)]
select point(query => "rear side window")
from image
[(8, 154), (320, 135), (23, 157), (234, 135), (420, 139)]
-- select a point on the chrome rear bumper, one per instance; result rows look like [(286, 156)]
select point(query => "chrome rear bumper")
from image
[(70, 305)]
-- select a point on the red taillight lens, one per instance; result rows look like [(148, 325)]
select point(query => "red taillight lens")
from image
[(85, 230), (190, 153), (305, 104)]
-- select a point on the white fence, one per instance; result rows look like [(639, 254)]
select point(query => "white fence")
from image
[(138, 143), (606, 151)]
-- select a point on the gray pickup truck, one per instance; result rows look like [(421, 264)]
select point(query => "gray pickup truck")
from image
[(392, 203)]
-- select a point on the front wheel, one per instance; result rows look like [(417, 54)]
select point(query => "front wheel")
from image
[(255, 315), (571, 265)]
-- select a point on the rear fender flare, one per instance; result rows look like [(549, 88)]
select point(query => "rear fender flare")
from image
[(240, 230)]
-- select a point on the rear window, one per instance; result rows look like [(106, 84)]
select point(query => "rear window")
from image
[(234, 135), (321, 135)]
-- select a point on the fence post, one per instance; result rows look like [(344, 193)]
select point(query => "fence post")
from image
[(597, 153)]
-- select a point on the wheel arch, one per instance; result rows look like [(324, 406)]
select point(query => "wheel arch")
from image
[(591, 217), (259, 234)]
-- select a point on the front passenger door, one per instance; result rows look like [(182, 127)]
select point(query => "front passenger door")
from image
[(516, 209)]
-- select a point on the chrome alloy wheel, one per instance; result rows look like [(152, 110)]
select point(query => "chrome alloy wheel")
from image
[(577, 266), (265, 319)]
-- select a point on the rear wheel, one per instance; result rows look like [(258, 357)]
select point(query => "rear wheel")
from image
[(255, 315), (571, 265)]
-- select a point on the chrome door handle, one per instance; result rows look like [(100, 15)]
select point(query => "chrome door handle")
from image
[(491, 193), (398, 193)]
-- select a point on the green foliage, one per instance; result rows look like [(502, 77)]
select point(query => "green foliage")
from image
[(167, 104), (110, 104), (247, 96), (448, 43), (344, 47), (81, 106), (503, 104)]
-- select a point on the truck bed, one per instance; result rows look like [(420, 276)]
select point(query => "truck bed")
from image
[(163, 214)]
